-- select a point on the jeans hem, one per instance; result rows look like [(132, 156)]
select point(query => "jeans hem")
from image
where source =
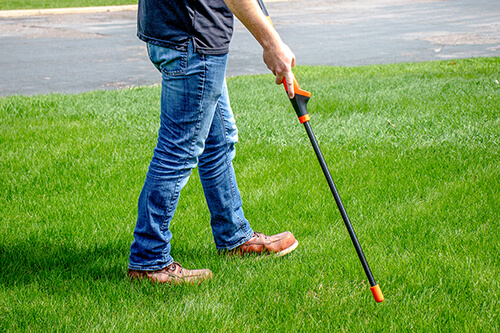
[(149, 268), (241, 242)]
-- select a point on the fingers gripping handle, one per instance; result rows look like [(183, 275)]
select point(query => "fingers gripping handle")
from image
[(299, 101)]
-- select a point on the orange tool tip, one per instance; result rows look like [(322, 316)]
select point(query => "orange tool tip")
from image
[(296, 88), (377, 293)]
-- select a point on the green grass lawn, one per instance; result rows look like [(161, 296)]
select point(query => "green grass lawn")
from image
[(42, 4), (413, 149)]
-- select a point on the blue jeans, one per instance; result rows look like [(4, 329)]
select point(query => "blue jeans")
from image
[(196, 128)]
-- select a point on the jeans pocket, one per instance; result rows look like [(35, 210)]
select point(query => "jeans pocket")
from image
[(168, 61)]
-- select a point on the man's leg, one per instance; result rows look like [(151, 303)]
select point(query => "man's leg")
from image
[(229, 226), (191, 87), (231, 230)]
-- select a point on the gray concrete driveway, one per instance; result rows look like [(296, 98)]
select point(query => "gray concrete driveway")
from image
[(87, 51)]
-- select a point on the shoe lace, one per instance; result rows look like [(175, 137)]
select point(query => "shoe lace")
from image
[(173, 266), (259, 234)]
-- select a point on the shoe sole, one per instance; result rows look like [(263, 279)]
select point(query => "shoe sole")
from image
[(287, 250), (263, 254)]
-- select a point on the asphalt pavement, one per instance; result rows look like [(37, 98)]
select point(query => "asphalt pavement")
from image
[(79, 51)]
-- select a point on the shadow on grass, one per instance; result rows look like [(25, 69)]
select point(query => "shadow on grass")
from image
[(65, 263), (25, 262)]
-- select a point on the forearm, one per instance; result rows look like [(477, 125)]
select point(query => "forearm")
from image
[(277, 55), (252, 17)]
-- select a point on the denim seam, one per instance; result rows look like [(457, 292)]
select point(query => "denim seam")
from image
[(170, 207), (177, 190), (200, 112), (228, 163)]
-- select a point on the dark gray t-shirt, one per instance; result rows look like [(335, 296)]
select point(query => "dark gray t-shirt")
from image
[(173, 23)]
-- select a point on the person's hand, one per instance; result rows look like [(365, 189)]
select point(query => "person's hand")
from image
[(277, 55), (280, 60)]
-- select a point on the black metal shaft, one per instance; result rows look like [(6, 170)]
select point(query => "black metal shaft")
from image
[(340, 205)]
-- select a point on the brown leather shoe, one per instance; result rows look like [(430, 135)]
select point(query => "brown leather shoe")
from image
[(172, 274), (277, 245)]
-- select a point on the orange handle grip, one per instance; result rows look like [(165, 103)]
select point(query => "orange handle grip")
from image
[(299, 101), (377, 293), (296, 88)]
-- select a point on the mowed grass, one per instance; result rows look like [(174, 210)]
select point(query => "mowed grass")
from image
[(43, 4), (413, 149)]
